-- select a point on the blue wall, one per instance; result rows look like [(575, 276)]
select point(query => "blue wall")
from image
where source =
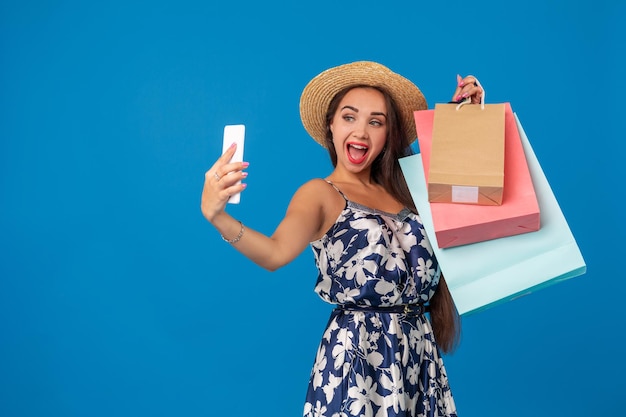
[(117, 298)]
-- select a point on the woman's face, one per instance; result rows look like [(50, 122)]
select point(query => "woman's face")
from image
[(359, 128)]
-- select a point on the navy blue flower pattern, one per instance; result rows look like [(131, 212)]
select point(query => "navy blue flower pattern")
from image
[(370, 363)]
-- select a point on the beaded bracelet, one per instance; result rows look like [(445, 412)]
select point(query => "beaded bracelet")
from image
[(235, 240)]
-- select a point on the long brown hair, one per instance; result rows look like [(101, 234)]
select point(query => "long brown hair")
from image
[(386, 171)]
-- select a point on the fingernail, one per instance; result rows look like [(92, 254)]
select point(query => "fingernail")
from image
[(244, 174), (465, 95), (458, 97), (245, 164)]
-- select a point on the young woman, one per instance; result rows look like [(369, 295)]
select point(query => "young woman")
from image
[(380, 354)]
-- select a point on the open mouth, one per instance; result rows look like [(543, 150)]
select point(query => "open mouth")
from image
[(356, 152)]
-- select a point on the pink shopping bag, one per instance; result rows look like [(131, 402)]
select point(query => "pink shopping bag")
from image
[(461, 224)]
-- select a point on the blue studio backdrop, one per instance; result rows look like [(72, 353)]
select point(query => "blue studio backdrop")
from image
[(117, 298)]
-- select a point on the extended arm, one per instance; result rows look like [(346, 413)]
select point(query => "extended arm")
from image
[(300, 225)]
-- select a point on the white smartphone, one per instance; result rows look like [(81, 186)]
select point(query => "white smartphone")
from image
[(234, 133)]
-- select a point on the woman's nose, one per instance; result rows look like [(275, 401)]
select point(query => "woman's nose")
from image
[(360, 131)]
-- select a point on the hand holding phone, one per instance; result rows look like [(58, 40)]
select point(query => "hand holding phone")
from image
[(236, 134)]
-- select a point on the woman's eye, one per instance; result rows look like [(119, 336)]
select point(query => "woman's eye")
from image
[(348, 117)]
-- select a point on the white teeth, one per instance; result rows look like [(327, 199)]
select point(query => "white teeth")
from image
[(359, 147)]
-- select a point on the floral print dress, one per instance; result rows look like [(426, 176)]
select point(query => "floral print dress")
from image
[(371, 362)]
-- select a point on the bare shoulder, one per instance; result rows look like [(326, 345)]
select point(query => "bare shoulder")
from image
[(320, 190), (313, 193), (315, 187), (319, 203), (322, 201)]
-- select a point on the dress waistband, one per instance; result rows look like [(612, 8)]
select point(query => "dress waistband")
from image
[(407, 309)]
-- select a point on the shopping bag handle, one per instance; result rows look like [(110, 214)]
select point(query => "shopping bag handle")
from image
[(469, 99)]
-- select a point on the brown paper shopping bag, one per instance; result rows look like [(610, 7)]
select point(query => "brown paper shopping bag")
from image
[(467, 155)]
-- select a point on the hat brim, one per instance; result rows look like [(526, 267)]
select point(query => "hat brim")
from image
[(319, 92)]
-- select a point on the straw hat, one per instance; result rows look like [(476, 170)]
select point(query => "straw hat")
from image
[(319, 92)]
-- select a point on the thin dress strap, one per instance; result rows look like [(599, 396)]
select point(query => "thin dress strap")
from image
[(338, 190)]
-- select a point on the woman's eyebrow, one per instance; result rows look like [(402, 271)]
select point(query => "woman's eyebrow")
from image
[(351, 108), (374, 113)]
